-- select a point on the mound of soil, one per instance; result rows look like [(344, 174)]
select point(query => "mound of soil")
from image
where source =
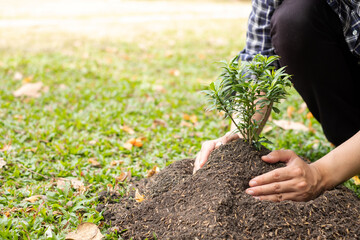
[(212, 204)]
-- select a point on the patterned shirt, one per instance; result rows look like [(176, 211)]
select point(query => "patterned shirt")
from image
[(258, 38)]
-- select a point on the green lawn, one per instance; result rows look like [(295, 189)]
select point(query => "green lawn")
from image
[(92, 87)]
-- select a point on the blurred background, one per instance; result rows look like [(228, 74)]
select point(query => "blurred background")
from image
[(27, 21), (94, 93)]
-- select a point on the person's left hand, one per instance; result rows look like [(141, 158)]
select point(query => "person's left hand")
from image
[(298, 181)]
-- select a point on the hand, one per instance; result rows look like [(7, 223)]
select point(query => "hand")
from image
[(298, 181), (208, 146)]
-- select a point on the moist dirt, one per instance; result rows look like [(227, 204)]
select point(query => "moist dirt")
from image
[(212, 204)]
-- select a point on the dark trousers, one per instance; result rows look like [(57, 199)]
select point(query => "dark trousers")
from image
[(308, 36)]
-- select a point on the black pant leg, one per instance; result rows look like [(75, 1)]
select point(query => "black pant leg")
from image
[(308, 37)]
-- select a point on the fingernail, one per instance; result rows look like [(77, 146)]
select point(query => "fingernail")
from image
[(252, 183), (269, 156), (249, 191), (257, 198)]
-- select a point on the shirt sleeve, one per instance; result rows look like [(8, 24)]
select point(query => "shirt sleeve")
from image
[(258, 39)]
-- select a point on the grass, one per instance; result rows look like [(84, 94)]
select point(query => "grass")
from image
[(93, 87)]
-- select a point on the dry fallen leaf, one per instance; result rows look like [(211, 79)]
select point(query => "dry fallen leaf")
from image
[(125, 57), (201, 56), (153, 171), (76, 184), (356, 180), (55, 213), (31, 150), (193, 118), (18, 76), (29, 90), (175, 72), (61, 183), (93, 142), (34, 198), (12, 210), (30, 209), (138, 196), (186, 116), (311, 129), (137, 142), (27, 79), (128, 146), (85, 231), (177, 136), (5, 148), (19, 117), (94, 163), (123, 176), (2, 162), (289, 125), (303, 107), (109, 187), (142, 138), (116, 162), (185, 124), (159, 122), (128, 129), (290, 111), (62, 86), (309, 115), (159, 88), (111, 49), (221, 113)]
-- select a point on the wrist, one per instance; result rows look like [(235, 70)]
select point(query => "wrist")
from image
[(324, 180)]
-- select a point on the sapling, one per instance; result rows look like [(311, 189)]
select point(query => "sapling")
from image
[(247, 88)]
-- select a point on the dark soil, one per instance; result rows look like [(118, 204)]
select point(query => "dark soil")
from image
[(212, 204)]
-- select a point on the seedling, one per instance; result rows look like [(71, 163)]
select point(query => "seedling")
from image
[(247, 88)]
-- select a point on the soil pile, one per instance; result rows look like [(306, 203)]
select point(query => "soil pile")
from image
[(212, 204)]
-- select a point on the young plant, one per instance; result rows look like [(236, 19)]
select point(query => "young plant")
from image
[(247, 88)]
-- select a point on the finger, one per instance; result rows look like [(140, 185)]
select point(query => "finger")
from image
[(280, 197), (203, 155), (205, 152), (277, 175), (279, 156), (196, 163), (273, 188), (229, 136)]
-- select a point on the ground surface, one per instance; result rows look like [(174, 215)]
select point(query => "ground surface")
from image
[(106, 68), (212, 204)]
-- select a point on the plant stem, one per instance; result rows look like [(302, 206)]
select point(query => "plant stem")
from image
[(227, 112), (265, 118)]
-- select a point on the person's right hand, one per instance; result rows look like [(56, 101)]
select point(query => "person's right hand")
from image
[(208, 146)]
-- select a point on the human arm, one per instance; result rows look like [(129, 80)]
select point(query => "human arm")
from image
[(299, 181), (258, 39)]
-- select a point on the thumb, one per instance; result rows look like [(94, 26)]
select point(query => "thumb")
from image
[(279, 156)]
